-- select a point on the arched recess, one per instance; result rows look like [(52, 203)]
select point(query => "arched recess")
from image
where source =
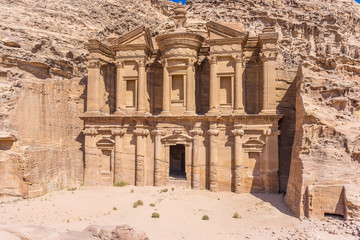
[(106, 161)]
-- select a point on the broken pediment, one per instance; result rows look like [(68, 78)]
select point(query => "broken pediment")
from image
[(176, 137), (138, 38), (105, 143), (219, 31), (253, 145)]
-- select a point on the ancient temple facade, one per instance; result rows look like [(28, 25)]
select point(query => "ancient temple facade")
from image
[(193, 107)]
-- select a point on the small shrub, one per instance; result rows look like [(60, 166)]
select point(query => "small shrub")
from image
[(140, 203), (121, 184), (164, 190), (172, 189), (135, 205), (152, 204), (155, 215), (236, 215), (114, 208), (205, 217), (71, 189)]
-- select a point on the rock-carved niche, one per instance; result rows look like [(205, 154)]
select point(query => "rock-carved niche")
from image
[(254, 146), (106, 145)]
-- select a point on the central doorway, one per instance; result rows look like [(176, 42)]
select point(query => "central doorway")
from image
[(177, 161)]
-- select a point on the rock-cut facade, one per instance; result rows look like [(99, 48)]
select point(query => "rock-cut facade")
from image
[(189, 107)]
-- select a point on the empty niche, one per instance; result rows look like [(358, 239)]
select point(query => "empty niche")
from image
[(177, 89), (130, 93), (106, 162), (225, 90)]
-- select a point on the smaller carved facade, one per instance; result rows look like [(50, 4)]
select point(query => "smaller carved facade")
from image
[(197, 107)]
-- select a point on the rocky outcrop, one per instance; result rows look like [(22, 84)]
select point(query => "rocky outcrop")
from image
[(320, 128), (42, 76), (42, 84), (93, 232)]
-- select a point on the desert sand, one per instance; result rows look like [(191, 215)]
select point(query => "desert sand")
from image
[(181, 211)]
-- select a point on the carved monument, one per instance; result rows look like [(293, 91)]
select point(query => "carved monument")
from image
[(195, 107)]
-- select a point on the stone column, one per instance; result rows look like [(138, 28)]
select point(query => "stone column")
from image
[(140, 110), (190, 88), (213, 133), (269, 85), (91, 170), (120, 89), (214, 87), (93, 93), (268, 45), (196, 133), (239, 86), (238, 152), (166, 90), (141, 135), (118, 164), (158, 156)]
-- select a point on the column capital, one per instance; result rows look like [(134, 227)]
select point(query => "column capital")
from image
[(212, 59), (238, 132), (238, 58), (268, 55), (94, 64), (164, 62), (196, 132), (118, 132), (158, 132), (213, 132), (267, 132), (90, 131), (191, 61), (141, 62), (119, 64), (141, 132)]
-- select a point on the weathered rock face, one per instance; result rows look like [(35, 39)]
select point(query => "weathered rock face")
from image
[(42, 81), (93, 232), (42, 86)]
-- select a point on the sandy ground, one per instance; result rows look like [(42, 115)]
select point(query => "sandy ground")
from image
[(181, 211)]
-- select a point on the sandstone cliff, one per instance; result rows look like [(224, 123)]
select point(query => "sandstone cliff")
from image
[(322, 138), (42, 81), (43, 75)]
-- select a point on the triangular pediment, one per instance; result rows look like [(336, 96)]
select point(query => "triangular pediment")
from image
[(138, 37), (220, 31)]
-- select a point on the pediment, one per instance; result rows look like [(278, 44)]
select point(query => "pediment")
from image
[(105, 143), (254, 143), (138, 37), (220, 31), (177, 136)]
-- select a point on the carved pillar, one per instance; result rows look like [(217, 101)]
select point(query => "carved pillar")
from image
[(190, 88), (196, 133), (93, 93), (238, 152), (158, 157), (90, 172), (141, 135), (214, 87), (270, 159), (268, 44), (239, 86), (118, 164), (120, 89), (141, 88), (213, 133), (166, 90)]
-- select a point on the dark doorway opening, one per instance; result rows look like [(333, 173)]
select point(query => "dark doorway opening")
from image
[(177, 161)]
